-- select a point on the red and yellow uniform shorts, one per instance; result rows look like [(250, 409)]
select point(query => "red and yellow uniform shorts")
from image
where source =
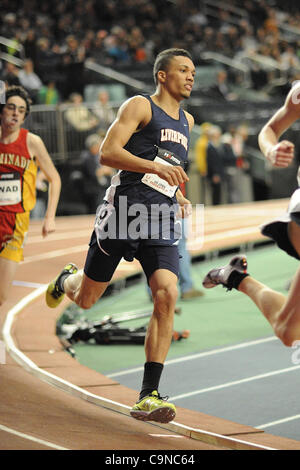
[(13, 231)]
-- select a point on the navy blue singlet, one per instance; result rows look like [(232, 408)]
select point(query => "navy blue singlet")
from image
[(162, 131)]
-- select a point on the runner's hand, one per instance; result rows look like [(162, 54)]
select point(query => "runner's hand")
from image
[(282, 154), (48, 226), (174, 175), (185, 207)]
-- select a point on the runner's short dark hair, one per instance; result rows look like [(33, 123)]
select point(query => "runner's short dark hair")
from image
[(164, 57)]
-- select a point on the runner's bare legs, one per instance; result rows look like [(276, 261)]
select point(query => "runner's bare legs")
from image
[(163, 284), (82, 290), (282, 312)]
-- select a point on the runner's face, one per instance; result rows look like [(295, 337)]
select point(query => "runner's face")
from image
[(180, 77), (13, 113)]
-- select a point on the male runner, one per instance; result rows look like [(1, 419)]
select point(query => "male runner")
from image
[(147, 131), (282, 312), (21, 152)]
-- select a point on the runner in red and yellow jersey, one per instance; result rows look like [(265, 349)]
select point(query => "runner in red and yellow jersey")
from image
[(21, 153)]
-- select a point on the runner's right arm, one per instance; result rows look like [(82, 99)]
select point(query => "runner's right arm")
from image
[(280, 154), (133, 115)]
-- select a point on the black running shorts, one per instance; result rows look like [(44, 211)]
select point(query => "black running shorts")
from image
[(101, 263), (277, 229)]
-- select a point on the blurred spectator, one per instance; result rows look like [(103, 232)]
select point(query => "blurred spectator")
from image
[(103, 110), (96, 177), (249, 40), (209, 38), (201, 147), (30, 80), (201, 156), (289, 60), (238, 144), (30, 45), (233, 40), (116, 45), (230, 169), (185, 279), (79, 116), (9, 20), (271, 22), (97, 51), (136, 43), (245, 183), (48, 60), (48, 94), (197, 17), (215, 167), (87, 41), (222, 88), (72, 66), (259, 76), (10, 75)]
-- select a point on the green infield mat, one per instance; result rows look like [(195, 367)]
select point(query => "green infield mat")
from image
[(217, 319)]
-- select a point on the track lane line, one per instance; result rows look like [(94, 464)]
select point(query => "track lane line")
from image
[(31, 438), (235, 382), (278, 421), (31, 285), (199, 355)]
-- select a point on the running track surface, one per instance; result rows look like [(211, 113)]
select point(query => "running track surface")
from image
[(36, 415)]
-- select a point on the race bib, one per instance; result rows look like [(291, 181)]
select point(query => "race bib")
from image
[(164, 157), (10, 189)]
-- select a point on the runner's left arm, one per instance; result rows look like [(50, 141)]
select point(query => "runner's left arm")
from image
[(38, 149), (185, 204)]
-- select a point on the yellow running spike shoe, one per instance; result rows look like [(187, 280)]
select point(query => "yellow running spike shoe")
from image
[(153, 407), (55, 292)]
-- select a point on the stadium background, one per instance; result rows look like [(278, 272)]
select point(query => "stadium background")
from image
[(62, 48)]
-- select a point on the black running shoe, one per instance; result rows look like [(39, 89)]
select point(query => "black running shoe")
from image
[(228, 276)]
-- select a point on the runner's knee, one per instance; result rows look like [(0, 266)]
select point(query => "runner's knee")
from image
[(285, 336), (85, 302), (166, 296), (286, 333)]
